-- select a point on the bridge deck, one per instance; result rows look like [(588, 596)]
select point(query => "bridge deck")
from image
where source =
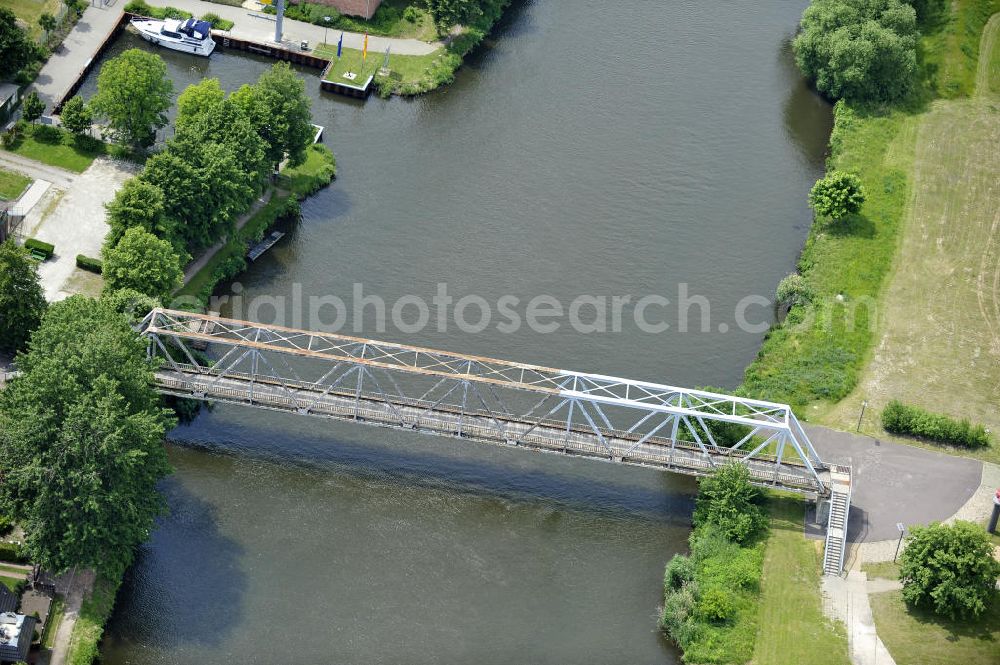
[(440, 419)]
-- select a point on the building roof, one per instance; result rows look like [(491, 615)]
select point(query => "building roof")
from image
[(16, 633), (8, 599)]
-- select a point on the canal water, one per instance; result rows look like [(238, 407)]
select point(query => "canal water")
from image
[(649, 149)]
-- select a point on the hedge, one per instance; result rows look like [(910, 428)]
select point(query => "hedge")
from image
[(13, 553), (87, 263), (899, 418), (45, 248)]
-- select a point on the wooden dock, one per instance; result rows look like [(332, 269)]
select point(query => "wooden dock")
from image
[(264, 245)]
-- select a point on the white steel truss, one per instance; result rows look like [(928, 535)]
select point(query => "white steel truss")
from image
[(478, 398)]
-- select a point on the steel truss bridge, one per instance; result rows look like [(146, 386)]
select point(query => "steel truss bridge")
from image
[(492, 401)]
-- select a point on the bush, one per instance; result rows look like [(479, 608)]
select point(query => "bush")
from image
[(49, 134), (950, 568), (13, 136), (716, 604), (411, 14), (793, 290), (6, 525), (678, 608), (13, 552), (679, 572), (217, 21), (727, 500), (837, 195), (898, 418), (88, 264), (39, 246)]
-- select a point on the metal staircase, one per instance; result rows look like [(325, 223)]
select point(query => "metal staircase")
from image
[(836, 526)]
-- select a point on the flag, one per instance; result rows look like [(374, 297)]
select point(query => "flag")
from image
[(340, 46), (364, 51)]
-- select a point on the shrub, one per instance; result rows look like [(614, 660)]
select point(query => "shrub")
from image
[(49, 134), (13, 136), (13, 552), (793, 290), (678, 607), (899, 418), (89, 264), (411, 14), (6, 525), (950, 568), (716, 604), (679, 572), (727, 500), (837, 195), (39, 246), (217, 21)]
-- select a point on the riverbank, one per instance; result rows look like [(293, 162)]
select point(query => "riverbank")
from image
[(815, 358), (227, 258)]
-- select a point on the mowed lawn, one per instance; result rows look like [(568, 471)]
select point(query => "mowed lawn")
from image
[(793, 628), (12, 185), (938, 344), (29, 11), (922, 638)]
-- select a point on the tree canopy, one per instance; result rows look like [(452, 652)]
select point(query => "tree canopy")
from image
[(142, 262), (76, 116), (16, 48), (278, 107), (837, 195), (140, 204), (860, 50), (81, 433), (728, 500), (32, 107), (133, 94), (950, 569), (22, 302)]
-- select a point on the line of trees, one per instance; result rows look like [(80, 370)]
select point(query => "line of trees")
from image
[(190, 193)]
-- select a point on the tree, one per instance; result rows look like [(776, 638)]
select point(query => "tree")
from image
[(197, 99), (449, 13), (949, 568), (81, 440), (860, 50), (929, 11), (76, 116), (227, 124), (728, 500), (140, 204), (47, 22), (278, 108), (16, 48), (32, 107), (21, 300), (133, 94), (837, 195), (143, 262)]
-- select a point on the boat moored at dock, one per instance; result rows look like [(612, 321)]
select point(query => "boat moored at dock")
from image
[(188, 35)]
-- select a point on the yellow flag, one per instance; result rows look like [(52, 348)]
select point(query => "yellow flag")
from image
[(364, 51)]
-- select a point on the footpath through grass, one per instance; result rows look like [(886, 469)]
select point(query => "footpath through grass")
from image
[(85, 639), (12, 185), (793, 628)]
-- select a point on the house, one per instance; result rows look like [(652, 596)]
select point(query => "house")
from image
[(16, 633), (363, 8), (10, 95), (8, 600)]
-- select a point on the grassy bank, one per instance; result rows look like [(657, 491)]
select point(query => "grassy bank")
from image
[(793, 628), (12, 185), (816, 357), (56, 147), (296, 183), (85, 639)]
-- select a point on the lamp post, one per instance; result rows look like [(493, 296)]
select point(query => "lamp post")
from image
[(326, 28), (902, 530)]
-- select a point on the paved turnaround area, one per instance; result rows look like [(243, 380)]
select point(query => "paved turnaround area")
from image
[(896, 483)]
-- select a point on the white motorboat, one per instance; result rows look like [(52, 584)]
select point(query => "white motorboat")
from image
[(188, 36)]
